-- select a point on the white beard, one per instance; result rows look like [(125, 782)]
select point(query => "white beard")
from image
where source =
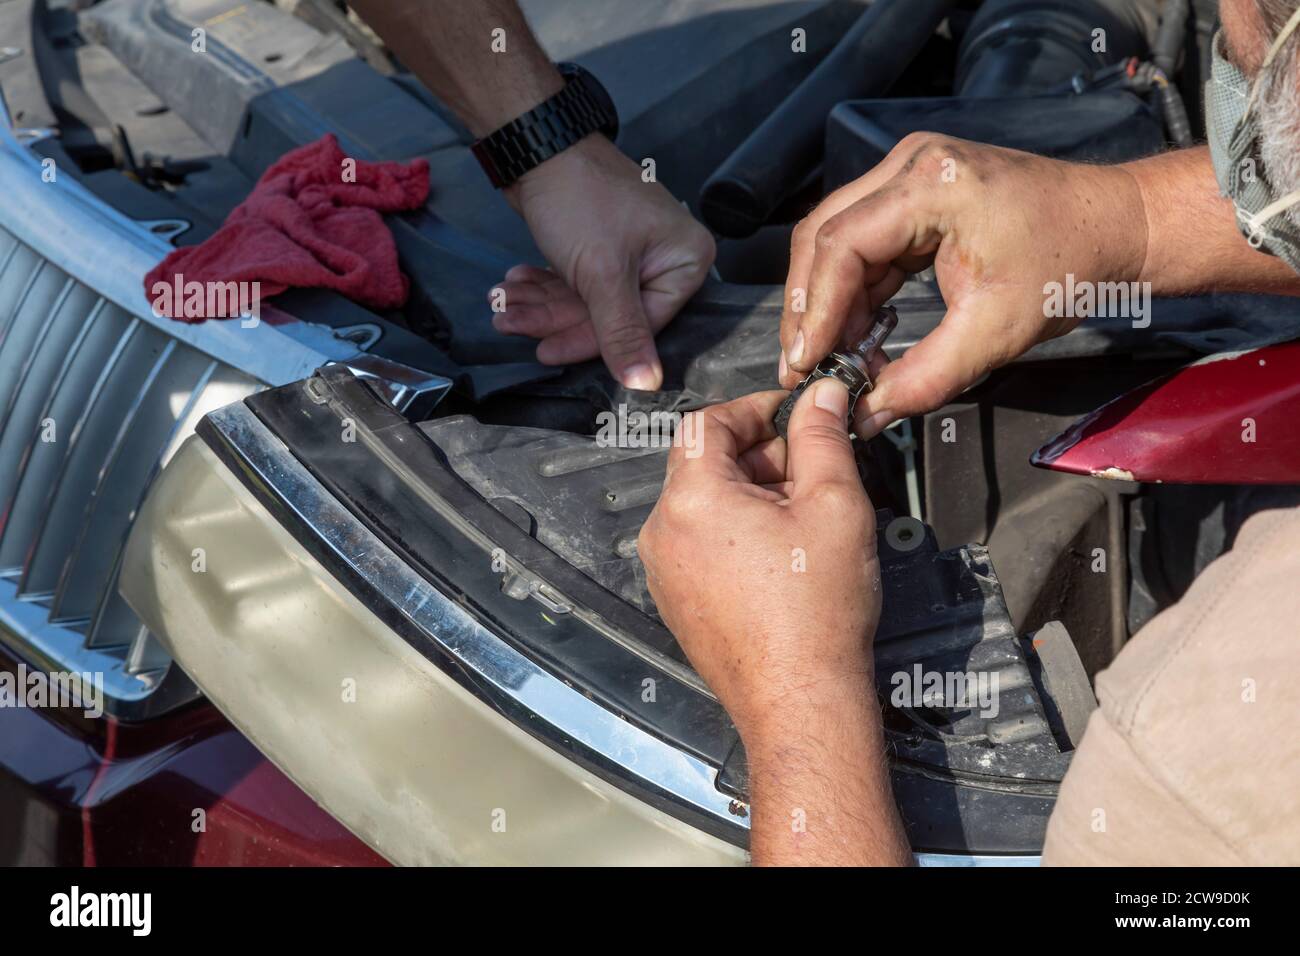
[(1278, 111)]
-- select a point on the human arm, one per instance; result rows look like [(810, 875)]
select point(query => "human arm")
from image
[(624, 255), (1193, 243), (998, 225), (762, 562)]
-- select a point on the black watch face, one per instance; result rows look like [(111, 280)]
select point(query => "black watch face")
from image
[(599, 95), (604, 101)]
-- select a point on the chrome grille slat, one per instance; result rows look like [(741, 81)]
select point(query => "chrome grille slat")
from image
[(146, 656), (129, 468), (48, 461), (40, 459), (41, 378), (17, 360), (96, 434), (114, 623), (9, 319), (20, 273)]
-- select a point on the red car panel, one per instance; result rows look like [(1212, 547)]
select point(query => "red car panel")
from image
[(1232, 418)]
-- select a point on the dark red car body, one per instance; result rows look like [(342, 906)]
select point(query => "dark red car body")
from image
[(1228, 419), (97, 792)]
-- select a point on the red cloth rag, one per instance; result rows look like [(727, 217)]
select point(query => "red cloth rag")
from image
[(310, 221)]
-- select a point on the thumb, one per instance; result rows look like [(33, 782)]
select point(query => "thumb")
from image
[(627, 342), (820, 452)]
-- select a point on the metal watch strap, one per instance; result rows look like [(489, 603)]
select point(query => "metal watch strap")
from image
[(544, 131)]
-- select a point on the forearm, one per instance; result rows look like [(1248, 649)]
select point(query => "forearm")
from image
[(820, 790), (1193, 244), (448, 44)]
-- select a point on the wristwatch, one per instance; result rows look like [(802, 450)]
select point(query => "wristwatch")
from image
[(581, 108)]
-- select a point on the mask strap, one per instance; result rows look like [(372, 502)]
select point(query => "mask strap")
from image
[(1282, 36), (1256, 222)]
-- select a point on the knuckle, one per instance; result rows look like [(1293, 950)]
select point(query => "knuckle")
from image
[(913, 142), (924, 143), (928, 155), (682, 506), (841, 197), (847, 500), (831, 234), (804, 232), (702, 246), (647, 541), (723, 414)]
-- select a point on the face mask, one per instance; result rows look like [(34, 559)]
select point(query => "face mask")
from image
[(1233, 132)]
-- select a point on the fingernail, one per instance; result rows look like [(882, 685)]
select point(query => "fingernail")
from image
[(796, 348), (640, 377), (831, 395), (873, 425), (782, 368)]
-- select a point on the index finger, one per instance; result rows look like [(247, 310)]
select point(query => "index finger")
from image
[(803, 240), (856, 249)]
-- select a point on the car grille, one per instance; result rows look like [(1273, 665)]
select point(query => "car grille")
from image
[(97, 392), (93, 401)]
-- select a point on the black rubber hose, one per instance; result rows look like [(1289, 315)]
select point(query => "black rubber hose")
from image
[(1024, 47), (1177, 123), (745, 190), (1166, 50), (1171, 36)]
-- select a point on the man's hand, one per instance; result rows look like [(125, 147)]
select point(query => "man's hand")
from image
[(764, 564), (626, 256), (997, 225), (762, 561)]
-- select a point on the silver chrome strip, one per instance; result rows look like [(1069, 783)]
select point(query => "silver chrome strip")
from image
[(563, 716), (70, 227)]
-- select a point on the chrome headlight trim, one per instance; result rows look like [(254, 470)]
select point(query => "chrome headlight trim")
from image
[(458, 643)]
